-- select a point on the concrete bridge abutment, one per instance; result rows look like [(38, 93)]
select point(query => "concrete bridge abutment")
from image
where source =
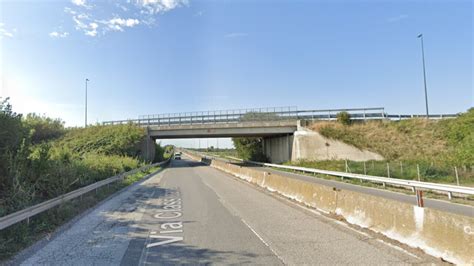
[(278, 149)]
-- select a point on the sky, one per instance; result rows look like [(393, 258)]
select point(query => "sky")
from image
[(165, 56)]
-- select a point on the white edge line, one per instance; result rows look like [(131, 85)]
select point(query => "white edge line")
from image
[(263, 241)]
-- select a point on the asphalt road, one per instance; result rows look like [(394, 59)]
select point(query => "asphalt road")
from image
[(193, 214)]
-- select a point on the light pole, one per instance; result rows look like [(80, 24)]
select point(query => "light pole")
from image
[(85, 124), (420, 36)]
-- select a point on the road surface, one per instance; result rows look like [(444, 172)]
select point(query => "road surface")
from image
[(193, 214)]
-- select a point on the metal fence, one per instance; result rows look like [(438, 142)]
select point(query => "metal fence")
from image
[(263, 114), (248, 115), (27, 213)]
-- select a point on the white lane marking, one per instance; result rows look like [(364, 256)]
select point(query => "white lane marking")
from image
[(233, 210), (263, 241), (168, 240)]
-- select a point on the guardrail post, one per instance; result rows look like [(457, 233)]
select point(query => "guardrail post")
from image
[(419, 198), (450, 195)]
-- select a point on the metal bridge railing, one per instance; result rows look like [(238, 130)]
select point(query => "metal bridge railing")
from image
[(248, 115)]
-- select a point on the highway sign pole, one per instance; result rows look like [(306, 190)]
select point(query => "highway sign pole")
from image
[(420, 36), (85, 122)]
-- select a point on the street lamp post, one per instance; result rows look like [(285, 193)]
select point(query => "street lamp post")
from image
[(420, 36), (85, 124)]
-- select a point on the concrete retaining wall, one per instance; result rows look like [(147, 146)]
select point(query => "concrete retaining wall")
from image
[(310, 145), (441, 234)]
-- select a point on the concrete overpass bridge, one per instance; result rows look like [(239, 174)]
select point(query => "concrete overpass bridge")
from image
[(276, 125)]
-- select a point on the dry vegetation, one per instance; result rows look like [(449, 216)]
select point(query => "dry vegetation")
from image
[(408, 140)]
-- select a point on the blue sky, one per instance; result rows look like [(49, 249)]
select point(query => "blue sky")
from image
[(160, 56)]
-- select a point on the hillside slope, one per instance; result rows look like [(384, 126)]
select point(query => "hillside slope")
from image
[(449, 141)]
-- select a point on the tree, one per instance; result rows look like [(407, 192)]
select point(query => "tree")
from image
[(250, 149), (12, 134), (43, 128)]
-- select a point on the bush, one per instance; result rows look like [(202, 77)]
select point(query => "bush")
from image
[(250, 149), (109, 140), (344, 118), (43, 128), (159, 153)]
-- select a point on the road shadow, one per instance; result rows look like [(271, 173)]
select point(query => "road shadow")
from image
[(169, 254), (180, 254)]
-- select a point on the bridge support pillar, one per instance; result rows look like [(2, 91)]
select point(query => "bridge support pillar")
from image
[(278, 149), (148, 148)]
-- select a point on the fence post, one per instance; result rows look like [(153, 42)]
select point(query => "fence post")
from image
[(418, 171), (457, 176), (365, 169), (401, 168), (346, 165), (388, 170)]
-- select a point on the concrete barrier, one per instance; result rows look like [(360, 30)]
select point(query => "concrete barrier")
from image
[(440, 234)]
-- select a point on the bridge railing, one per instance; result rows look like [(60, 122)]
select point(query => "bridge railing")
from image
[(248, 115)]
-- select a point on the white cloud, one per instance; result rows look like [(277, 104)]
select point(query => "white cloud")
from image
[(397, 18), (4, 32), (236, 35), (92, 29), (70, 11), (159, 6), (83, 24), (199, 13), (82, 3), (117, 24), (118, 16), (56, 34)]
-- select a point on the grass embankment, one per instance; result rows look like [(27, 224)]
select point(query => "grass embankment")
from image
[(434, 146), (21, 235), (40, 160)]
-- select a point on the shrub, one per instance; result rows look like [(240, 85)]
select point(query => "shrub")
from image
[(344, 118), (43, 128)]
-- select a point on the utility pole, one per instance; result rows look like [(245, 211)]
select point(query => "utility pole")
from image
[(420, 36), (85, 123)]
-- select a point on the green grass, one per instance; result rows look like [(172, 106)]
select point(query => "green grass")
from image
[(19, 236), (447, 142), (397, 169)]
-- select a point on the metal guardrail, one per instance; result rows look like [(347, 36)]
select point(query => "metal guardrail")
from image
[(264, 114), (445, 188), (432, 116), (248, 115), (27, 213), (449, 189)]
